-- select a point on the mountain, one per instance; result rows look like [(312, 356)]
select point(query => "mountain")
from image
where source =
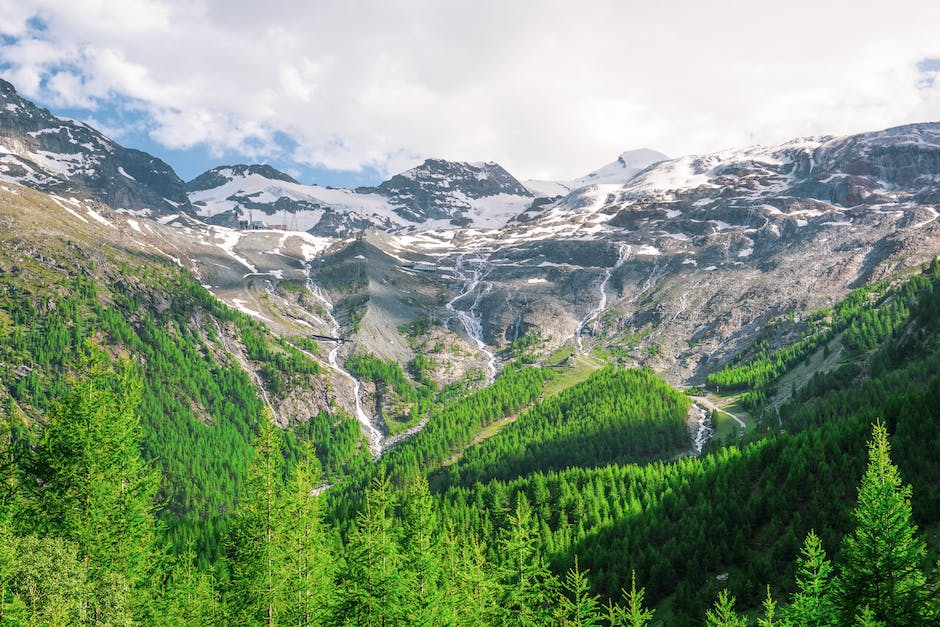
[(70, 158), (465, 194), (489, 365), (436, 194), (228, 195), (627, 165)]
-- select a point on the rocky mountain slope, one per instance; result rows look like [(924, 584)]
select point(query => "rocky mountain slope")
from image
[(52, 154), (435, 194), (676, 266)]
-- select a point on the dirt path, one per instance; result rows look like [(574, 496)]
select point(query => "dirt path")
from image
[(708, 404)]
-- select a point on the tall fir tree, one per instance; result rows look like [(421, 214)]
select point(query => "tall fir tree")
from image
[(528, 587), (372, 586), (256, 563), (633, 613), (812, 603), (577, 607), (91, 487), (420, 552), (770, 613), (723, 614), (882, 558), (303, 542)]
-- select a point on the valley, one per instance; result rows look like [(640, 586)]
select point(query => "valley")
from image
[(456, 385)]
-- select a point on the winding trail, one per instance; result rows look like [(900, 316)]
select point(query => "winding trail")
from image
[(623, 253), (470, 271), (705, 402), (369, 427)]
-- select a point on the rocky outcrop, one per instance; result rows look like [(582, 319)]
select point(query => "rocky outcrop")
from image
[(40, 150)]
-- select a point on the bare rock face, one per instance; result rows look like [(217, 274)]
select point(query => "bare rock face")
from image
[(678, 268), (677, 265), (69, 158), (439, 189)]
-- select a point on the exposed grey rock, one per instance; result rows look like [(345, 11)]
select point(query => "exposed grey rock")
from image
[(53, 154)]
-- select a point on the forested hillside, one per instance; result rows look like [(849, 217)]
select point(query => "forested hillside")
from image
[(199, 403), (146, 481)]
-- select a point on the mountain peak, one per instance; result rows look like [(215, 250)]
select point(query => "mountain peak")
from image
[(6, 88), (440, 189), (51, 153), (627, 165), (222, 174)]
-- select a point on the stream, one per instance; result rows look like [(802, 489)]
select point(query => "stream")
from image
[(372, 432), (623, 253), (470, 272), (702, 429)]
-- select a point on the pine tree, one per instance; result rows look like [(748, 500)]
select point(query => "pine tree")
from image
[(470, 580), (307, 565), (373, 584), (256, 562), (9, 509), (882, 557), (866, 618), (92, 488), (577, 606), (723, 614), (528, 586), (812, 604), (770, 611), (633, 614), (420, 552), (189, 596)]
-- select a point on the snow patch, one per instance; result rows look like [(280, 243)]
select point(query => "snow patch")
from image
[(100, 218)]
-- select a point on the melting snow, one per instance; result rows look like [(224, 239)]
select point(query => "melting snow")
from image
[(240, 305), (128, 176), (100, 218), (230, 239)]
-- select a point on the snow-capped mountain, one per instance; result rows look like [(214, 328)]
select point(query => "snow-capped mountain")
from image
[(688, 256), (829, 178), (479, 194), (436, 194), (627, 165), (618, 172), (40, 150), (260, 194)]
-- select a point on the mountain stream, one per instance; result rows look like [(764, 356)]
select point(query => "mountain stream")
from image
[(470, 272), (623, 253), (369, 427)]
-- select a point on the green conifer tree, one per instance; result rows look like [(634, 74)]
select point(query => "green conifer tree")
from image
[(307, 563), (633, 613), (528, 587), (882, 558), (770, 612), (256, 563), (91, 487), (420, 553), (577, 607), (723, 614), (812, 603), (373, 582)]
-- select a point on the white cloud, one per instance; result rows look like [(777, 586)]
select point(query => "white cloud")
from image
[(549, 89)]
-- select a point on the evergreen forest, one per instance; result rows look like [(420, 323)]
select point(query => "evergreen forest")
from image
[(145, 481)]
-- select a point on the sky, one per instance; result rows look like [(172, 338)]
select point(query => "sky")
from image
[(348, 93)]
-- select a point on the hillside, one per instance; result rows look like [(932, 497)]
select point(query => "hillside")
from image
[(451, 399)]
